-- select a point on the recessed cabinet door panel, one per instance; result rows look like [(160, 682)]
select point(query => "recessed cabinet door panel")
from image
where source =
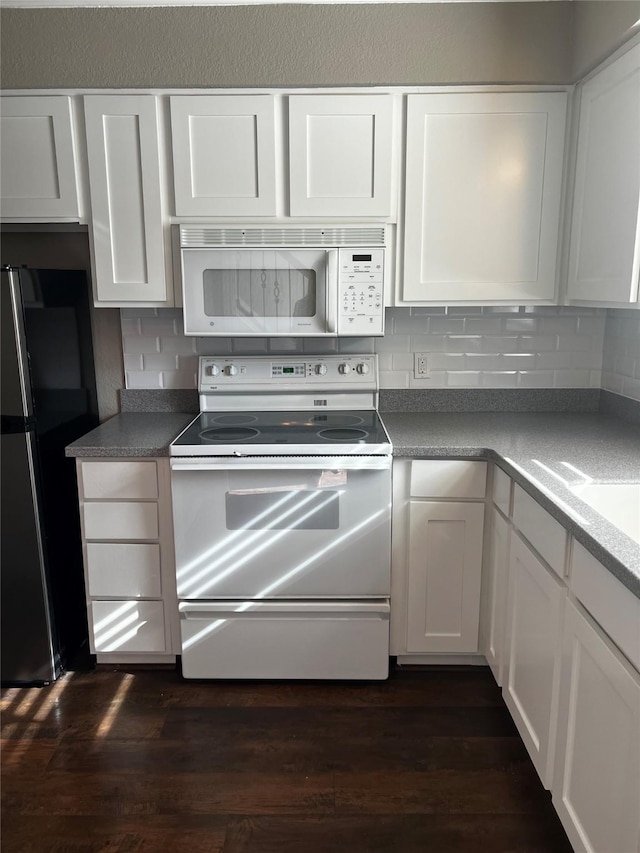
[(497, 584), (483, 179), (445, 562), (115, 520), (605, 234), (37, 168), (596, 789), (224, 155), (126, 204), (340, 155), (532, 665)]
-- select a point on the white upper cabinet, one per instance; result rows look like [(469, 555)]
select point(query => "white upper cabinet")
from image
[(129, 232), (37, 167), (340, 155), (604, 259), (483, 192), (224, 156)]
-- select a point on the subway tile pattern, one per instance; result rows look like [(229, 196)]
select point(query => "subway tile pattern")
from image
[(621, 357), (493, 347), (503, 347)]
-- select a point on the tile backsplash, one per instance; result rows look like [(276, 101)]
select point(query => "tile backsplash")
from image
[(506, 347), (621, 357)]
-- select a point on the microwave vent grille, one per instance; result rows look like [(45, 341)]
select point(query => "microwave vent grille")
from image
[(198, 237)]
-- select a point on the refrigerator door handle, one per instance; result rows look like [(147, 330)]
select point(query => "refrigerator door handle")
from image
[(17, 349)]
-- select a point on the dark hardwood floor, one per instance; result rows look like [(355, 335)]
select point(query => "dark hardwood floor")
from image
[(133, 761)]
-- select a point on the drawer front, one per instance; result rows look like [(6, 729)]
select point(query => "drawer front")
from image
[(284, 641), (120, 520), (612, 605), (501, 493), (545, 534), (448, 478), (117, 480), (123, 571), (128, 626)]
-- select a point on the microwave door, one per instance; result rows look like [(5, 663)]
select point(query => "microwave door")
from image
[(259, 291)]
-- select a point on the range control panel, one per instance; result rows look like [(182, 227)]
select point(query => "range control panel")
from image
[(360, 292), (283, 373)]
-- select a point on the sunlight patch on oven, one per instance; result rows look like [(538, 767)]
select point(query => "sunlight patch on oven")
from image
[(190, 592), (268, 590)]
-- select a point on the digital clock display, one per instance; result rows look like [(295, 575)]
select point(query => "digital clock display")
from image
[(361, 257), (288, 370)]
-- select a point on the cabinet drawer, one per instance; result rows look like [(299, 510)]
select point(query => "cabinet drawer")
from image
[(501, 493), (611, 604), (127, 571), (113, 480), (129, 520), (545, 534), (128, 626), (448, 478)]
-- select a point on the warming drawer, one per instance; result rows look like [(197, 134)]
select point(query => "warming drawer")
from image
[(285, 639)]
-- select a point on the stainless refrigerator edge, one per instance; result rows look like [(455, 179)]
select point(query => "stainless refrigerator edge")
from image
[(48, 399)]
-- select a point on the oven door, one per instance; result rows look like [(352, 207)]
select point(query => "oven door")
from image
[(260, 291), (282, 527)]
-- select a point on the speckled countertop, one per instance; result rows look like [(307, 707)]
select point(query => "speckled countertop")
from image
[(544, 452)]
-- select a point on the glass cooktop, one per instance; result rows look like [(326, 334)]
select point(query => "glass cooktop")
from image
[(273, 433)]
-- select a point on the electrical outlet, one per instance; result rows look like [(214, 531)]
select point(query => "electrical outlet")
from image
[(420, 365)]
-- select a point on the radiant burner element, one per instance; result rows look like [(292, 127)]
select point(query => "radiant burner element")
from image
[(236, 420), (348, 434), (228, 434)]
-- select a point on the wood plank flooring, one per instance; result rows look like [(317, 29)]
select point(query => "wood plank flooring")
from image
[(143, 762)]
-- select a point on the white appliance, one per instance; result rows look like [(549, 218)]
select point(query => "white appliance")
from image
[(281, 492), (283, 280)]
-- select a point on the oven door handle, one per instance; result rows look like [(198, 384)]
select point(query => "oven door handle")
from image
[(246, 463)]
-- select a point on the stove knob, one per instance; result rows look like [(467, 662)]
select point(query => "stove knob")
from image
[(231, 370), (344, 369), (321, 369), (362, 368), (213, 370)]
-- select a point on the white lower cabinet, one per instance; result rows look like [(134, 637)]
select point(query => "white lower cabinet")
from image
[(532, 666), (125, 514), (436, 572), (596, 786), (497, 574)]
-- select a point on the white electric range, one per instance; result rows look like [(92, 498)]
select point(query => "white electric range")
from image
[(281, 492)]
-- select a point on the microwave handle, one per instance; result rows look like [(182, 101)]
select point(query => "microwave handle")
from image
[(333, 296)]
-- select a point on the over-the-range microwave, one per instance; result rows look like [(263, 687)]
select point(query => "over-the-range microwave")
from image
[(283, 279)]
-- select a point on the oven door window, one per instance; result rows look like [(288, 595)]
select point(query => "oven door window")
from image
[(283, 510)]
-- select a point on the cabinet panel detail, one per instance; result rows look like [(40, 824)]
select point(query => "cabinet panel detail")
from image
[(450, 478), (605, 234), (547, 536), (123, 570), (497, 580), (112, 480), (116, 520), (127, 218), (224, 158), (445, 561), (484, 176), (37, 167), (128, 626), (340, 155)]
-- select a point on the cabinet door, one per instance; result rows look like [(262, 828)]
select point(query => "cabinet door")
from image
[(596, 789), (605, 232), (497, 576), (340, 155), (37, 168), (532, 664), (483, 184), (224, 160), (126, 201), (445, 563)]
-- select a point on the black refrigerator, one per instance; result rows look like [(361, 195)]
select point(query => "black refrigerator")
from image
[(48, 394)]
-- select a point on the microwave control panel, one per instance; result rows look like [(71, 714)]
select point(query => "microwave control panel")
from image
[(361, 292)]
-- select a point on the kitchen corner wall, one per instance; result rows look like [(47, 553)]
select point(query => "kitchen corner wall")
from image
[(506, 347), (621, 357)]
